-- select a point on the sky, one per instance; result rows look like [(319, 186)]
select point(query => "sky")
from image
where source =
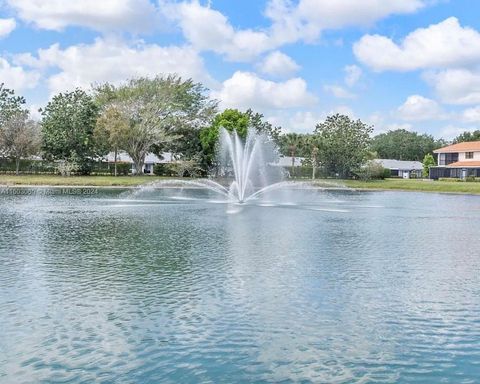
[(410, 64)]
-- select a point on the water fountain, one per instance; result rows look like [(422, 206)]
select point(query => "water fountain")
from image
[(250, 164), (245, 171)]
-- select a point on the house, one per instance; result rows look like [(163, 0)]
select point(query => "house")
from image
[(401, 168), (457, 161), (150, 160), (286, 161)]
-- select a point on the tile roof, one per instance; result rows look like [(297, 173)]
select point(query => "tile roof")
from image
[(466, 146), (464, 164)]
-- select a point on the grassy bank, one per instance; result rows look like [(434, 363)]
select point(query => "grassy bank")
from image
[(97, 181), (130, 181), (416, 185)]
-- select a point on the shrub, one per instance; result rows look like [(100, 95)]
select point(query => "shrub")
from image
[(123, 169), (372, 171), (161, 170), (450, 179)]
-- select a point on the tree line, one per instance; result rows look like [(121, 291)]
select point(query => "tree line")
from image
[(171, 114)]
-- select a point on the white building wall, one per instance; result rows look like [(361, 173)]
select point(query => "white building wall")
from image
[(476, 156)]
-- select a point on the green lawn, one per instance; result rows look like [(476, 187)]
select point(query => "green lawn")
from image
[(97, 181), (132, 181), (416, 185)]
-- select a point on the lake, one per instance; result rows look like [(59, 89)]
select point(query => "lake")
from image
[(176, 286)]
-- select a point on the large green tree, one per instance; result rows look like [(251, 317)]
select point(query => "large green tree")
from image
[(111, 130), (68, 123), (401, 144), (10, 104), (158, 111), (467, 136), (19, 137), (343, 144), (293, 145), (234, 120)]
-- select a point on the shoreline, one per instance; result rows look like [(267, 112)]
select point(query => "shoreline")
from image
[(344, 186)]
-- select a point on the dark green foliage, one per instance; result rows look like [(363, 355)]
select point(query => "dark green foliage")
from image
[(467, 136), (233, 120), (428, 161), (343, 144), (159, 112), (372, 171), (122, 169), (404, 145), (9, 104), (68, 129), (162, 170), (8, 166)]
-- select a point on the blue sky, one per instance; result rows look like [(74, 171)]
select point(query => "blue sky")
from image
[(412, 64)]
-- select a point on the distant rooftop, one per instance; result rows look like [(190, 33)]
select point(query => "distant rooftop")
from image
[(400, 164), (466, 146), (286, 161), (123, 157)]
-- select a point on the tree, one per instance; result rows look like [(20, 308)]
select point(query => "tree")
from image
[(343, 144), (312, 147), (401, 144), (261, 126), (467, 136), (294, 143), (111, 131), (428, 161), (9, 104), (68, 125), (233, 120), (157, 110), (19, 137)]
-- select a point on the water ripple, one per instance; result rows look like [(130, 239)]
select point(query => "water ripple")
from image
[(377, 287)]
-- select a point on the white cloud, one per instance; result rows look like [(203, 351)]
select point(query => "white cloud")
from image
[(300, 121), (471, 115), (339, 92), (352, 74), (456, 86), (16, 77), (342, 110), (114, 61), (101, 15), (308, 18), (6, 27), (419, 108), (381, 124), (342, 13), (208, 29), (446, 44), (305, 121), (247, 90), (451, 131), (278, 64), (33, 109)]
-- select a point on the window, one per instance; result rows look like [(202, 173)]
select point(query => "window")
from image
[(448, 158), (468, 155)]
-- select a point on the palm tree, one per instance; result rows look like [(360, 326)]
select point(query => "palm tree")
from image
[(312, 145), (294, 143)]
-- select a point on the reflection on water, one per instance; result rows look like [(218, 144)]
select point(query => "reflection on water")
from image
[(326, 287)]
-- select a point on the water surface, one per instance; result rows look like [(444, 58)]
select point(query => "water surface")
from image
[(158, 287)]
